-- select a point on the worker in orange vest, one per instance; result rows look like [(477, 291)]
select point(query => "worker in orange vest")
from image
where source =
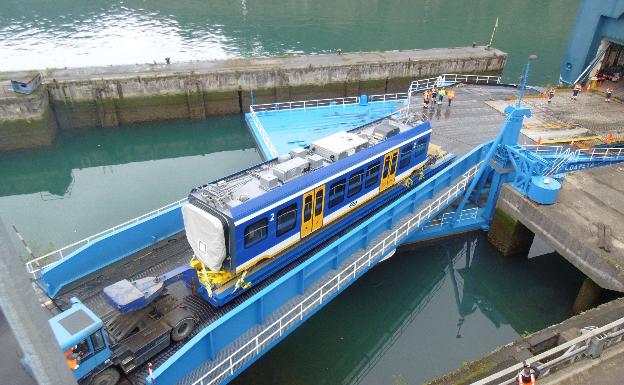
[(450, 95), (609, 93), (576, 90), (528, 375), (71, 356)]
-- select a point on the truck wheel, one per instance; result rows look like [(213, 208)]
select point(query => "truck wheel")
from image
[(182, 329), (108, 376)]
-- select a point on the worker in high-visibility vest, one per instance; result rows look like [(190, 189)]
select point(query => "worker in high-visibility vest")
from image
[(441, 95), (609, 94), (450, 95), (71, 357), (528, 375)]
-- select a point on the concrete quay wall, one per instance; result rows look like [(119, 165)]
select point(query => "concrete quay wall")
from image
[(110, 96), (528, 346), (570, 226)]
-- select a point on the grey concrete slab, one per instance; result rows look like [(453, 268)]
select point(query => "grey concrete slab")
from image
[(11, 369), (570, 226)]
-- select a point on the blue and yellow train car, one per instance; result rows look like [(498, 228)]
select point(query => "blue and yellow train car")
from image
[(247, 226)]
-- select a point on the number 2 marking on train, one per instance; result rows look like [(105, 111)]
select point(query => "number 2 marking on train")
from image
[(272, 217)]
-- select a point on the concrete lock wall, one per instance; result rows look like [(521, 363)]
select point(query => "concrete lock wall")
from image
[(106, 97)]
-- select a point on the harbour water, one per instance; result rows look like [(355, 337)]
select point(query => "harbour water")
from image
[(42, 34), (416, 316)]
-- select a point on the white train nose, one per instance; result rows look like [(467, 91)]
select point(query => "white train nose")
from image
[(205, 235)]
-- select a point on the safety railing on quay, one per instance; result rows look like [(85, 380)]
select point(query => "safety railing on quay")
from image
[(596, 153), (263, 133), (238, 358), (590, 344), (34, 266), (445, 79)]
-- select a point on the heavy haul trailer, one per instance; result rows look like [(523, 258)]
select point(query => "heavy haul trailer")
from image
[(151, 315)]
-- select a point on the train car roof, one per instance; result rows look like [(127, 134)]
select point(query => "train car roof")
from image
[(223, 193)]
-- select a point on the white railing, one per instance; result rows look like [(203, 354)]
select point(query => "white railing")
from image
[(305, 104), (387, 97), (263, 134), (589, 344), (35, 265), (321, 103), (447, 218), (582, 154), (446, 79), (236, 359)]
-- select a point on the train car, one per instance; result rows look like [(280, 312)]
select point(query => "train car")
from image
[(246, 226)]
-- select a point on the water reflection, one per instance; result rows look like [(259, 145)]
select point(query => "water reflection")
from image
[(95, 180)]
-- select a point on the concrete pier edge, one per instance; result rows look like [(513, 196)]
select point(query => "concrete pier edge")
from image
[(107, 97)]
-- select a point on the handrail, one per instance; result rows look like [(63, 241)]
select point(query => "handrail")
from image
[(318, 103), (36, 265), (263, 134), (564, 354), (230, 363), (593, 153), (422, 84)]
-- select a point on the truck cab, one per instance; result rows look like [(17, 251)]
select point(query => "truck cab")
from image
[(81, 337)]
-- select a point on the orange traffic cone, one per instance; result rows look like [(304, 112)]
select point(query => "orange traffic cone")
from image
[(588, 86), (539, 140), (609, 138)]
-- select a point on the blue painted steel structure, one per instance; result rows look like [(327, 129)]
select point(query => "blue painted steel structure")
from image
[(595, 21), (207, 343), (109, 249)]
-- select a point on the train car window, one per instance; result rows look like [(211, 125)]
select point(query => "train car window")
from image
[(256, 232), (386, 167), (372, 175), (420, 147), (286, 219), (336, 193), (318, 207), (404, 159), (355, 183), (394, 163), (307, 208)]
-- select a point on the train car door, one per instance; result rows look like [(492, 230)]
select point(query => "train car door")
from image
[(389, 169), (312, 213)]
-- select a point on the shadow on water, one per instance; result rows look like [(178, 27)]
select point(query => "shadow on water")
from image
[(420, 314), (50, 169)]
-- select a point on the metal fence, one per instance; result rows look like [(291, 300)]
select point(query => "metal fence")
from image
[(34, 266), (270, 333), (582, 154), (449, 79), (590, 344), (321, 103), (263, 133)]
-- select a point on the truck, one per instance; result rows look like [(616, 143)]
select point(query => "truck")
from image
[(149, 314)]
